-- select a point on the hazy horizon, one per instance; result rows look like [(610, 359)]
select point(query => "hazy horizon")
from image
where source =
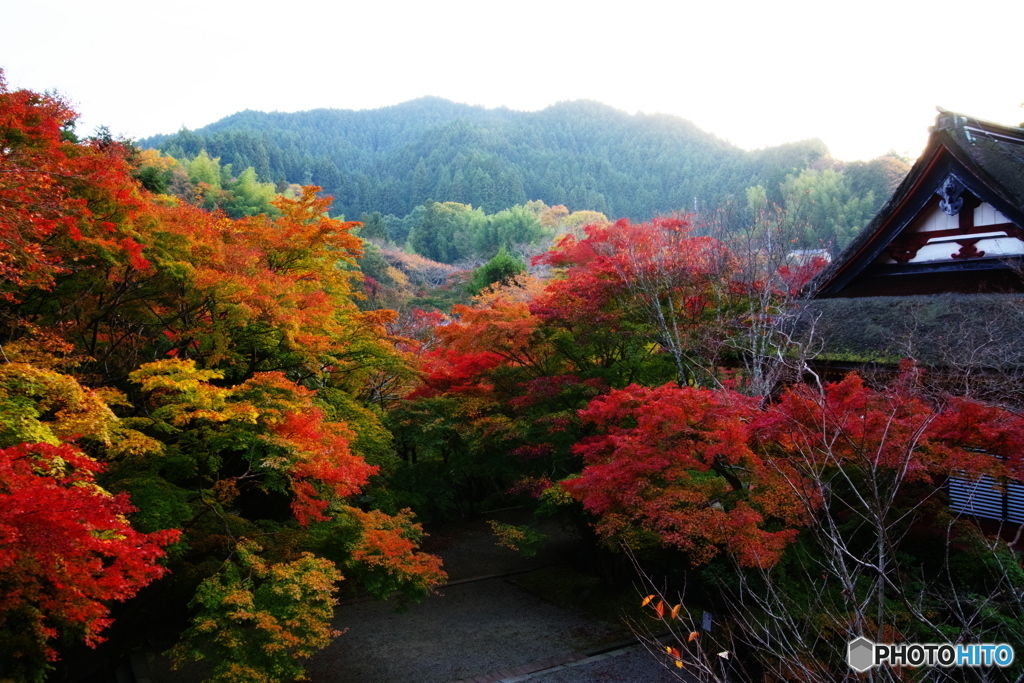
[(864, 79)]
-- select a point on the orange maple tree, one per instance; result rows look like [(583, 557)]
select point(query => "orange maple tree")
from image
[(61, 202)]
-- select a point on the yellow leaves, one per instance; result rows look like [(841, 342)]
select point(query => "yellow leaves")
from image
[(238, 598), (125, 442), (43, 349), (185, 394), (522, 539), (152, 158), (676, 655), (509, 535), (173, 374), (38, 405), (400, 279), (257, 618), (647, 600), (556, 495)]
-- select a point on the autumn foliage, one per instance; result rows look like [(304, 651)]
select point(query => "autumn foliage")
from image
[(60, 201), (629, 304), (172, 374), (656, 279), (680, 463), (208, 402), (289, 435), (624, 384), (256, 619), (709, 470), (66, 549)]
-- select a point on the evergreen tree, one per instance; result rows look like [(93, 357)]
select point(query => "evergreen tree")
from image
[(502, 268)]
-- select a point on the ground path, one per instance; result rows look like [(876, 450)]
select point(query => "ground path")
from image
[(482, 626)]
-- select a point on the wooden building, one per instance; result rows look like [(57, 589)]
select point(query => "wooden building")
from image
[(955, 223)]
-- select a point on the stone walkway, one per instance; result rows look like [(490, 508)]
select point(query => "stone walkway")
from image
[(480, 627)]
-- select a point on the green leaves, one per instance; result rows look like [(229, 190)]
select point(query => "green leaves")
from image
[(256, 618), (500, 269)]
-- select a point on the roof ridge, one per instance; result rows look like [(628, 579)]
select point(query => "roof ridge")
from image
[(954, 121)]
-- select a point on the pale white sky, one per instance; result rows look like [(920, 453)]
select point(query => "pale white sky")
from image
[(863, 76)]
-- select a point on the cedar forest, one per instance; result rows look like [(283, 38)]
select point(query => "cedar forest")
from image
[(213, 391)]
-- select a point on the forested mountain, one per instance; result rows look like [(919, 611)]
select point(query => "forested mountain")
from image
[(582, 154)]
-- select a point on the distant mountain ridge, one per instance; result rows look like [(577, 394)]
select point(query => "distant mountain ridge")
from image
[(583, 154)]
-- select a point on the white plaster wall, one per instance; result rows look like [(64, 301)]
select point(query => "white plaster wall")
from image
[(986, 214), (933, 218)]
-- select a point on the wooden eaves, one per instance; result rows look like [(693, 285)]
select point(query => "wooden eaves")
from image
[(987, 159)]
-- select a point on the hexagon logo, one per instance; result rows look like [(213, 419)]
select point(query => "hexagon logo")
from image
[(860, 654)]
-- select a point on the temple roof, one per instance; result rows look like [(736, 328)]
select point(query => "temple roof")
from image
[(968, 163)]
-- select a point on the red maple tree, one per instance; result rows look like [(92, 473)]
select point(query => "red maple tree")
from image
[(65, 550)]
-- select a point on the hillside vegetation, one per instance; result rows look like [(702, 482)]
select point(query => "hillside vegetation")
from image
[(583, 155)]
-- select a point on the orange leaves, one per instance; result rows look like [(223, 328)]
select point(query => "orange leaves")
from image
[(314, 452), (61, 203), (502, 332), (319, 461), (261, 281), (389, 542), (311, 451), (255, 293), (503, 327), (305, 230), (661, 608)]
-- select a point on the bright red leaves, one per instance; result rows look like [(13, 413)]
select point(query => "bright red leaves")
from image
[(65, 545), (679, 462), (709, 470)]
